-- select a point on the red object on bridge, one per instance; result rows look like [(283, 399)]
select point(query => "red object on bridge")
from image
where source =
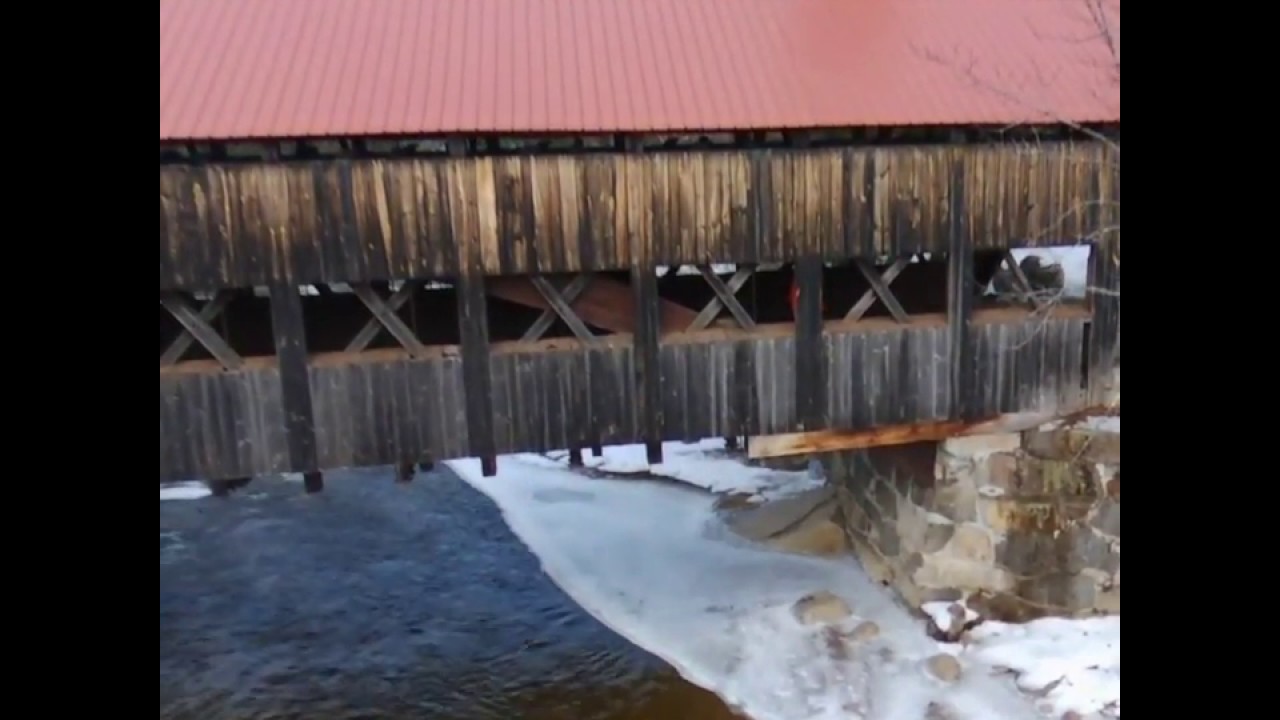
[(793, 297), (259, 69)]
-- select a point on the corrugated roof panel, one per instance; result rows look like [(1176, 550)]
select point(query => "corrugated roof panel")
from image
[(241, 69)]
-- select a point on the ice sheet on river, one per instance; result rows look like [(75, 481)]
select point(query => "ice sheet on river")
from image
[(652, 561)]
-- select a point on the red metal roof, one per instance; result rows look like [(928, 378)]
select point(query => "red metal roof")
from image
[(233, 69)]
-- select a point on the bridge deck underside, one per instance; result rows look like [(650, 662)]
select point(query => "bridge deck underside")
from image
[(387, 408)]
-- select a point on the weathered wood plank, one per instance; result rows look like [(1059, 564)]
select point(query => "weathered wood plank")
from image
[(804, 443), (378, 410), (243, 224)]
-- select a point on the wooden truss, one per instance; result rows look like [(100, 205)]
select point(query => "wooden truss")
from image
[(1021, 283), (879, 290), (726, 296), (384, 317), (197, 327)]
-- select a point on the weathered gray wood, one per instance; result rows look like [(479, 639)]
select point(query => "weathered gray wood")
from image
[(566, 313), (725, 297), (207, 315), (879, 288), (201, 330), (373, 325), (389, 319), (548, 316)]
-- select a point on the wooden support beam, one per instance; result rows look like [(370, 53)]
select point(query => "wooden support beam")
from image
[(185, 339), (605, 303), (288, 330), (725, 297), (879, 283), (646, 359), (404, 472), (961, 291), (561, 308), (473, 330), (1104, 325), (810, 350), (374, 325), (822, 441), (201, 330), (388, 318), (1021, 283), (548, 317)]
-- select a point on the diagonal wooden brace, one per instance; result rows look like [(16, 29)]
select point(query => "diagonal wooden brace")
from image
[(879, 289), (389, 319), (562, 308), (373, 325), (201, 330), (725, 298), (1021, 283), (548, 316), (208, 314)]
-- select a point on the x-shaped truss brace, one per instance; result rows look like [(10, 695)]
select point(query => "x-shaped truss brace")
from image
[(1021, 284), (726, 296), (385, 317), (879, 289), (560, 307), (196, 327)]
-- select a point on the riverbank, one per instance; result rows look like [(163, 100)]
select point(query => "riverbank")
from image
[(657, 564)]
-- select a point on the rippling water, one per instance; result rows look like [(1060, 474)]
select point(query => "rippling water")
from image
[(378, 600)]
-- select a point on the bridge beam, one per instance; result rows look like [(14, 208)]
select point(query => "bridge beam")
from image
[(810, 355), (287, 328), (961, 291), (473, 331), (648, 370), (1104, 302)]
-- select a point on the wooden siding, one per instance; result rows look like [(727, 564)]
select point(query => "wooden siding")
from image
[(361, 220), (231, 424)]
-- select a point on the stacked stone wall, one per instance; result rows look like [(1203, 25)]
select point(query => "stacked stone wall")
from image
[(1020, 525)]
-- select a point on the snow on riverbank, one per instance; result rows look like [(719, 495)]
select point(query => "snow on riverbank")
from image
[(702, 464), (184, 491), (654, 562)]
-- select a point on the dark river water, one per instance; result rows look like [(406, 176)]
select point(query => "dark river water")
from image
[(378, 600)]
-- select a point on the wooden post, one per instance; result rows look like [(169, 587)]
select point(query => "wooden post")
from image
[(1104, 327), (404, 472), (295, 383), (473, 330), (960, 295), (810, 351), (648, 389)]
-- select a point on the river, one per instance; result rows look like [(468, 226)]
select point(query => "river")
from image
[(381, 600)]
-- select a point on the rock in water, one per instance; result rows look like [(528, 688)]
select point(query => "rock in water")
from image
[(822, 537), (865, 631), (943, 667), (821, 607), (802, 523)]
